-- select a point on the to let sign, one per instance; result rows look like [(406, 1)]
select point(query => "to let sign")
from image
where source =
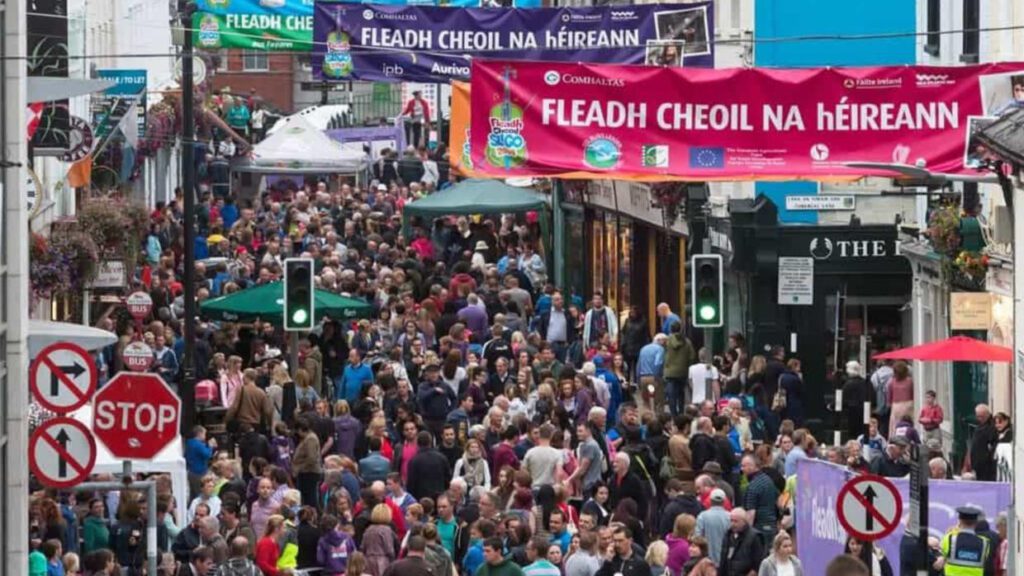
[(136, 415)]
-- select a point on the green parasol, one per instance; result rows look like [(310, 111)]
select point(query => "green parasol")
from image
[(266, 303)]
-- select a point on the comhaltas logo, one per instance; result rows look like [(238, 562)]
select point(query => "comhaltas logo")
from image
[(588, 80), (602, 152), (654, 156), (552, 78), (368, 14)]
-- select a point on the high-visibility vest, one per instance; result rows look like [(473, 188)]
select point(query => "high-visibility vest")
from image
[(966, 553)]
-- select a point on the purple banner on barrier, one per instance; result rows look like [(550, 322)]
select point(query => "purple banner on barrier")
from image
[(820, 537), (431, 44)]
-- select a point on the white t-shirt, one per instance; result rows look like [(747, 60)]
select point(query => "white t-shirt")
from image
[(784, 568), (541, 462), (698, 377)]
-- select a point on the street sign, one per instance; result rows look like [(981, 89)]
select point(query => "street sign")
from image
[(869, 507), (61, 453), (137, 356), (140, 304), (136, 415), (62, 377), (917, 521), (796, 281)]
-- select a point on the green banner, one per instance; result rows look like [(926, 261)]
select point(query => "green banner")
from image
[(253, 31)]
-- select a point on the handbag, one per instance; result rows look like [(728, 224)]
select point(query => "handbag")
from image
[(667, 470), (779, 400)]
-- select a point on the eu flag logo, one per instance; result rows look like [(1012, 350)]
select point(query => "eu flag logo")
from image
[(707, 157)]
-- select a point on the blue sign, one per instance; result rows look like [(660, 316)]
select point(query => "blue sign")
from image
[(108, 109), (430, 44), (305, 7)]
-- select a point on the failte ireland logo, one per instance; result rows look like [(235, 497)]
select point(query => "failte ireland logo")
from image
[(654, 155), (552, 78), (602, 152)]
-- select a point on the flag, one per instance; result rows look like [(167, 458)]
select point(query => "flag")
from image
[(707, 157), (34, 114), (129, 127), (80, 174)]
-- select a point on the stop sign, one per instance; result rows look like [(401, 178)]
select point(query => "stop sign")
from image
[(136, 415)]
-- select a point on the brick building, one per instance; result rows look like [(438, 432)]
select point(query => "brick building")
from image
[(271, 74)]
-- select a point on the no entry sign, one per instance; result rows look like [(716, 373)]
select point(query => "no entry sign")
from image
[(62, 377), (137, 356), (140, 304), (62, 453), (869, 507)]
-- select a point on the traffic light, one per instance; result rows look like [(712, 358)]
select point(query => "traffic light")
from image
[(298, 294), (706, 290)]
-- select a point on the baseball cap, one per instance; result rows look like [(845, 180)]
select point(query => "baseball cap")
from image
[(717, 496)]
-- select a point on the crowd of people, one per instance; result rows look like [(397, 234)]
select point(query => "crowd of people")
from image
[(481, 422)]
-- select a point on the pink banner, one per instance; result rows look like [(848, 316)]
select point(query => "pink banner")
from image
[(547, 119)]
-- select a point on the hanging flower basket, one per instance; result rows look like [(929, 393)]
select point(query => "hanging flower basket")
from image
[(944, 230), (61, 265), (668, 196), (116, 225)]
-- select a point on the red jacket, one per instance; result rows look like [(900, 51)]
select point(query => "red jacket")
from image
[(426, 108), (267, 554)]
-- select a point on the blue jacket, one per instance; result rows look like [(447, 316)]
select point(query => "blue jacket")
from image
[(352, 379), (374, 467), (197, 456), (651, 360)]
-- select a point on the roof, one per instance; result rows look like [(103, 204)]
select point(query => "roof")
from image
[(1006, 136), (477, 197), (301, 148)]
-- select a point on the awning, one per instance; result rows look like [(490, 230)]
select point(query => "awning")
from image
[(44, 89), (42, 333)]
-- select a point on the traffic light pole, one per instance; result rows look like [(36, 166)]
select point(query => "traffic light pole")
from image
[(709, 334)]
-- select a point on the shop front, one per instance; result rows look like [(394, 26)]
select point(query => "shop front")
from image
[(827, 294), (619, 244)]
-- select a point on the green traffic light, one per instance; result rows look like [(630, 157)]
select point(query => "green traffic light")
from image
[(300, 316), (707, 312)]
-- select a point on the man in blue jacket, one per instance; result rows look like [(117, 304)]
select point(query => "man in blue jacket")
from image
[(353, 378)]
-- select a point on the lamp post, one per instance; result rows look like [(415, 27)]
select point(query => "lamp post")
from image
[(188, 179)]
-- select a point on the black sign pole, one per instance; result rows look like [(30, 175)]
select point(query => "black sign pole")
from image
[(922, 510)]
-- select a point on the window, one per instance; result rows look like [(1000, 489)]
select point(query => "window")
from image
[(972, 21), (931, 45), (255, 61), (222, 60)]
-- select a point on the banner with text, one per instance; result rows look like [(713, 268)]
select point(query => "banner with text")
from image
[(428, 44), (546, 119), (820, 537), (269, 31)]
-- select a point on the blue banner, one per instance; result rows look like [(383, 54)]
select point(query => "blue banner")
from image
[(275, 7), (305, 7), (429, 44)]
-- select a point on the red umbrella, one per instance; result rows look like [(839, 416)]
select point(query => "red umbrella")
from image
[(955, 349)]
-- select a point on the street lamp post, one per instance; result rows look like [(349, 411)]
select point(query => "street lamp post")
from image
[(188, 179)]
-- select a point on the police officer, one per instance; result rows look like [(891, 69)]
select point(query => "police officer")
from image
[(966, 552)]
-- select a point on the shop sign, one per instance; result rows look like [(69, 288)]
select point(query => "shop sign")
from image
[(631, 199), (970, 310), (821, 202), (796, 281), (872, 249), (109, 275)]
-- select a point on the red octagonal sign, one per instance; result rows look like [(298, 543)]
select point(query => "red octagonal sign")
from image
[(136, 415)]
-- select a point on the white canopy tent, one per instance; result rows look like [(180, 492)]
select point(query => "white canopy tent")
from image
[(170, 460), (42, 333), (299, 147)]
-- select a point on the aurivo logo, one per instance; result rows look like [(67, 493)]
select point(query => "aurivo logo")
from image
[(552, 78)]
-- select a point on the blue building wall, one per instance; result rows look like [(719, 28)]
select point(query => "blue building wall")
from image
[(776, 20)]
